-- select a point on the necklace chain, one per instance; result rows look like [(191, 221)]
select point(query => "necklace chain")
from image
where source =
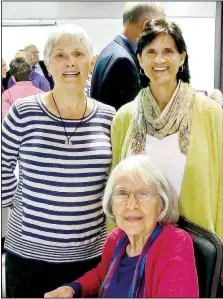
[(69, 137)]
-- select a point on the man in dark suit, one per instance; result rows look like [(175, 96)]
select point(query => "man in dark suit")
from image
[(115, 79), (38, 66)]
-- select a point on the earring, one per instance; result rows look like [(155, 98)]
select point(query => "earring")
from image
[(141, 71), (181, 69)]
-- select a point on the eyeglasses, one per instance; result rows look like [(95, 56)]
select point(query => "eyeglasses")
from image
[(35, 53), (142, 195)]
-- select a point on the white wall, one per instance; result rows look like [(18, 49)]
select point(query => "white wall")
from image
[(96, 10), (199, 36), (101, 32), (197, 21)]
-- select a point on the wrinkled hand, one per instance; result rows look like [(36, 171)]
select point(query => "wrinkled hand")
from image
[(61, 292)]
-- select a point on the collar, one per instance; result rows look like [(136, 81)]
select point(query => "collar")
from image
[(130, 43), (24, 83)]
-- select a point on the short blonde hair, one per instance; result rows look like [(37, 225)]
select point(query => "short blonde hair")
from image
[(148, 173), (30, 46), (20, 54), (70, 31)]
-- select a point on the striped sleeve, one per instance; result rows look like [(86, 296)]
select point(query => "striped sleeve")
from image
[(12, 132)]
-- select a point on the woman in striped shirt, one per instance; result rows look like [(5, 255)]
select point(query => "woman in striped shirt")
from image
[(61, 141)]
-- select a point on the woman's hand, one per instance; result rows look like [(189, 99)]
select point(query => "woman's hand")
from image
[(61, 292)]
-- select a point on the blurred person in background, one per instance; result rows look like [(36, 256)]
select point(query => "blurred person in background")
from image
[(5, 81), (87, 87), (61, 141), (4, 68), (20, 54), (115, 79), (217, 96), (4, 211), (36, 79), (38, 66), (20, 69), (4, 71), (179, 129)]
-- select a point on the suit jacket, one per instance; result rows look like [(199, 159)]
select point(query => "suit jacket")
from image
[(46, 74), (115, 79)]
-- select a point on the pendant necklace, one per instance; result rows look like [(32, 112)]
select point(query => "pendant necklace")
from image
[(68, 141)]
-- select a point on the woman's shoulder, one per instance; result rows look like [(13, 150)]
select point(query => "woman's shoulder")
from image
[(26, 102), (104, 107), (6, 92), (206, 105), (177, 236), (25, 105), (127, 108), (125, 113)]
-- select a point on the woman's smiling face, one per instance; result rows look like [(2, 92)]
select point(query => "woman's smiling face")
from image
[(69, 63), (161, 60), (136, 206)]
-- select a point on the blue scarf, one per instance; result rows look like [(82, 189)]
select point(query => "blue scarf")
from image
[(137, 287)]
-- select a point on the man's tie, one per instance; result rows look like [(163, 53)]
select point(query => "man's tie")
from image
[(33, 68)]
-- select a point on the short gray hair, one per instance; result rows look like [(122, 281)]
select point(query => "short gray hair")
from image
[(135, 10), (29, 46), (148, 173), (71, 31)]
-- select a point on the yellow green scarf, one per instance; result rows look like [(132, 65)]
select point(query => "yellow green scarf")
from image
[(177, 116)]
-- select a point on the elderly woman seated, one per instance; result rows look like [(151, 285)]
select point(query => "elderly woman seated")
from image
[(146, 255)]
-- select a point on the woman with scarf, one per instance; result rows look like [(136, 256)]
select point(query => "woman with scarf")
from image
[(181, 131), (138, 259)]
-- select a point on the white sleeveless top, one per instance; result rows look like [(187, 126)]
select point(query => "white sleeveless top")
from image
[(166, 154)]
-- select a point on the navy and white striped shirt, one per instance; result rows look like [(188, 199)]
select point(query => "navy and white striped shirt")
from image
[(57, 212)]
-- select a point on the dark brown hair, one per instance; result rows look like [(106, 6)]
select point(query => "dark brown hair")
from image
[(162, 25)]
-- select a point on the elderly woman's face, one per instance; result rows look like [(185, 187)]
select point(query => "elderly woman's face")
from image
[(69, 63), (161, 60), (136, 206)]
